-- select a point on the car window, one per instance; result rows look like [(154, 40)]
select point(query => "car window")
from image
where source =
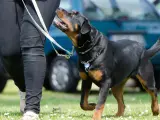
[(97, 9), (135, 9), (119, 9), (66, 4), (156, 3)]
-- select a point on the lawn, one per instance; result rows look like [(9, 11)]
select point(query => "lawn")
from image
[(62, 106)]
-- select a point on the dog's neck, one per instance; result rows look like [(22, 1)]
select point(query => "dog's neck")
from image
[(84, 38), (85, 41), (92, 42)]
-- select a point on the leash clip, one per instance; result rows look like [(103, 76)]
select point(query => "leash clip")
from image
[(68, 55)]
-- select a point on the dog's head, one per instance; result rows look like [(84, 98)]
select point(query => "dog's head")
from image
[(72, 23)]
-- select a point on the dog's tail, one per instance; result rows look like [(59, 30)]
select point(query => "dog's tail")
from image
[(153, 50)]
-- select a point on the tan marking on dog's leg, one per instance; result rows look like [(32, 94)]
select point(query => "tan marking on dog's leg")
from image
[(83, 75), (118, 94), (154, 105), (98, 113), (96, 74)]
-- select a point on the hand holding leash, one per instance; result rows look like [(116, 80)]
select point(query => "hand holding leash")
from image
[(45, 31)]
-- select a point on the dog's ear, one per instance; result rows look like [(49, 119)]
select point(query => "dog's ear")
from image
[(85, 27)]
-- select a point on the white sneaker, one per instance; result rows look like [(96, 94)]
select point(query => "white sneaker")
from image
[(22, 101), (29, 115)]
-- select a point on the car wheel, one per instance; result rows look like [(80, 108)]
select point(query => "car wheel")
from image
[(46, 84), (61, 75)]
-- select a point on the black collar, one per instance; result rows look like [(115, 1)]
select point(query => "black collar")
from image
[(90, 46)]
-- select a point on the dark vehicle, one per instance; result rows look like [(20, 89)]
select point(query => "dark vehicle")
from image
[(137, 20)]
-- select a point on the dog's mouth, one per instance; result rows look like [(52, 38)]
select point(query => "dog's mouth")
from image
[(60, 24)]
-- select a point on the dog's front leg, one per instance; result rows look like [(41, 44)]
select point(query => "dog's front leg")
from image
[(86, 86), (104, 88)]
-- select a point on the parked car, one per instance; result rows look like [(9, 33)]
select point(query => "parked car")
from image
[(137, 20)]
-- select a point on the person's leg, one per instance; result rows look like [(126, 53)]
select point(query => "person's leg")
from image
[(32, 47), (14, 66), (10, 17), (9, 41)]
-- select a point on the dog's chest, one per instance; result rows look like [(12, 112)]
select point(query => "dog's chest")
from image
[(94, 74)]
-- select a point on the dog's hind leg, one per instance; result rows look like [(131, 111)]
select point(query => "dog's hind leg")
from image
[(146, 77), (118, 94)]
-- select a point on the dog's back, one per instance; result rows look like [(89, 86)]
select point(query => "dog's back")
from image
[(127, 56)]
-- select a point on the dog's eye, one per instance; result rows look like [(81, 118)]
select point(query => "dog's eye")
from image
[(72, 14)]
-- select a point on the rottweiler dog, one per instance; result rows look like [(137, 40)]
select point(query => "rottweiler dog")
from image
[(106, 63)]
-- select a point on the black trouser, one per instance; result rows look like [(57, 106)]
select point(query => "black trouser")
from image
[(22, 46)]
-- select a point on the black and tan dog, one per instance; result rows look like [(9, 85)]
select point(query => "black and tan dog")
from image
[(106, 63)]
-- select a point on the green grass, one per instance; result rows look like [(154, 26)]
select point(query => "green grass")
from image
[(62, 106)]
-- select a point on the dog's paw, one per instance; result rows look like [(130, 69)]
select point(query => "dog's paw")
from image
[(92, 106), (89, 107), (156, 112), (119, 114)]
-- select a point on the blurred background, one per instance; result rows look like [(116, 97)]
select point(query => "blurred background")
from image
[(137, 20)]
